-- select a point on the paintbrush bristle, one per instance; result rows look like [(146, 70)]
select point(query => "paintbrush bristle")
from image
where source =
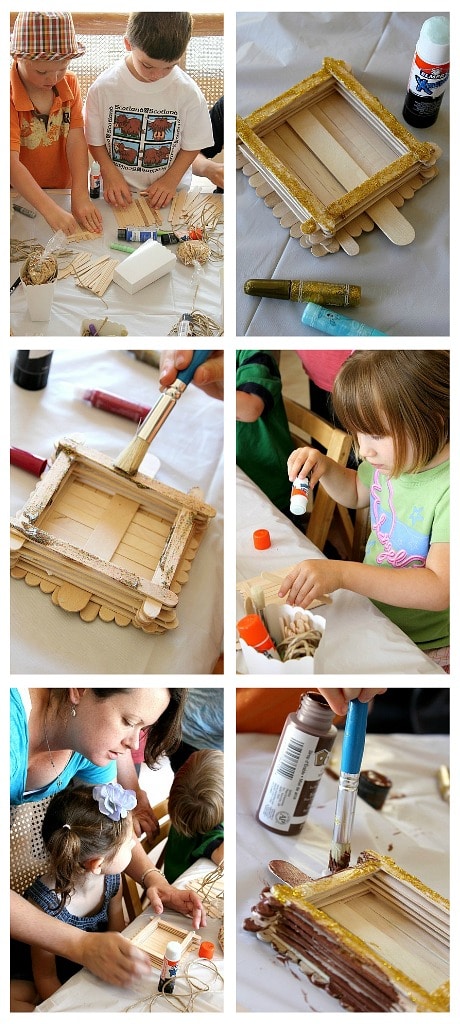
[(130, 459), (339, 857)]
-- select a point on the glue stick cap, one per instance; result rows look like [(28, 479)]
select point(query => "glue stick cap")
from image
[(121, 234), (206, 950), (254, 633), (173, 951), (261, 539)]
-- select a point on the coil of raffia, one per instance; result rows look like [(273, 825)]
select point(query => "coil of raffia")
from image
[(39, 270), (192, 252)]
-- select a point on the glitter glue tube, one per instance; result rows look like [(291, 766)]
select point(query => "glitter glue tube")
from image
[(299, 496), (429, 74), (330, 322), (256, 635), (169, 967), (299, 762)]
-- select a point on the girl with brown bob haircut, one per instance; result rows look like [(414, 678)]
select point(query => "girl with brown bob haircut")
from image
[(396, 406)]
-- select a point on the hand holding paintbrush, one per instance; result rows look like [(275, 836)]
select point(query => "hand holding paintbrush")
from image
[(130, 459), (352, 754)]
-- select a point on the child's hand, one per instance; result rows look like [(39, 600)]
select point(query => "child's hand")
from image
[(85, 212), (185, 901), (160, 193), (305, 462), (60, 220), (116, 190), (310, 580)]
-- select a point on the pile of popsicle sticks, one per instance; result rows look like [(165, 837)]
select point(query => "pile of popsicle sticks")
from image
[(90, 272), (137, 215), (196, 209), (392, 224), (104, 545)]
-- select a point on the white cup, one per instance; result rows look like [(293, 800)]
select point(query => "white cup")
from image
[(39, 298)]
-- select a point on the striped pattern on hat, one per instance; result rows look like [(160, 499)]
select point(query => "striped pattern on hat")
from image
[(44, 36)]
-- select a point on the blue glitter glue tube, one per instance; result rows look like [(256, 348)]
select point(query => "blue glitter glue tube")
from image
[(330, 322)]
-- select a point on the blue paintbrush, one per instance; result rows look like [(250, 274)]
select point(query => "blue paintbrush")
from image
[(131, 457), (352, 754)]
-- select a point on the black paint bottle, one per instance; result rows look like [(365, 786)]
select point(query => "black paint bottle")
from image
[(299, 762), (31, 368), (429, 74)]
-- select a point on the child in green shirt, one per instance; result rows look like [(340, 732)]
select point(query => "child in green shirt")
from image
[(196, 810)]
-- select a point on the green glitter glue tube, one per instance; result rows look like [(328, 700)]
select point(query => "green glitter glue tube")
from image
[(330, 322)]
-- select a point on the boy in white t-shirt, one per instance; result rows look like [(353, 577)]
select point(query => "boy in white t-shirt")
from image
[(145, 118)]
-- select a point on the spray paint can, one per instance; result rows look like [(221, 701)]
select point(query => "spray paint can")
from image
[(169, 967), (429, 74), (299, 762), (299, 496), (95, 180), (31, 368)]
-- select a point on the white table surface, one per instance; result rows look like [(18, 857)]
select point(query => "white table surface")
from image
[(405, 289), (152, 311), (86, 993), (358, 638), (412, 828), (45, 639)]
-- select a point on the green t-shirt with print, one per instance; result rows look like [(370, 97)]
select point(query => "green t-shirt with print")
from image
[(408, 514)]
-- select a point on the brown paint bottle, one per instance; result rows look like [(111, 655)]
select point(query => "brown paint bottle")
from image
[(300, 759)]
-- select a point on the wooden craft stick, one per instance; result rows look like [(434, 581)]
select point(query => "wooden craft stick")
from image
[(109, 531)]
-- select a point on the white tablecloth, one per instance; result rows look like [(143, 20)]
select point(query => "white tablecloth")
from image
[(358, 638), (405, 289), (45, 639), (412, 828), (85, 993), (152, 311)]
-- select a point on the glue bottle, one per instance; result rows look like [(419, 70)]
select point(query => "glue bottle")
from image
[(137, 234), (299, 496), (429, 74), (299, 762), (95, 180), (255, 634), (169, 967)]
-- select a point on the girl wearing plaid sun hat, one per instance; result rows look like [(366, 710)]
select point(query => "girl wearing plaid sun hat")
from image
[(47, 143)]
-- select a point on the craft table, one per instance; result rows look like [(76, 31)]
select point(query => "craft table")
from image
[(412, 828), (405, 289), (152, 311), (358, 638), (86, 993), (46, 639)]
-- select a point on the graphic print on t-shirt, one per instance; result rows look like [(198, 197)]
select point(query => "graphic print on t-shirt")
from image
[(142, 139)]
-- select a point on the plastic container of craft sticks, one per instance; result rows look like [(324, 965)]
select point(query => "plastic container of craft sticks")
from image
[(278, 617)]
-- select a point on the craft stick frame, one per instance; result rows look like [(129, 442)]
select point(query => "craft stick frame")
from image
[(154, 938), (102, 543), (387, 923), (328, 124)]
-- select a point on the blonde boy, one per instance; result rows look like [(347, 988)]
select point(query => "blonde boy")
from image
[(47, 142)]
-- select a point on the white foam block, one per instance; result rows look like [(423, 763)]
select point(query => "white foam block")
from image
[(150, 261)]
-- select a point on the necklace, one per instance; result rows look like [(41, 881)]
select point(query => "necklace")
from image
[(57, 780)]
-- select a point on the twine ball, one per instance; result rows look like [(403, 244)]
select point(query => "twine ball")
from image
[(193, 251)]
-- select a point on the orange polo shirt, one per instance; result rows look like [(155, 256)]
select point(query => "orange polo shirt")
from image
[(42, 147)]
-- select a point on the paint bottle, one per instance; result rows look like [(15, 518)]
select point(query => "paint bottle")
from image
[(169, 967), (136, 234), (255, 634), (299, 496), (299, 762), (429, 74), (31, 368), (95, 180)]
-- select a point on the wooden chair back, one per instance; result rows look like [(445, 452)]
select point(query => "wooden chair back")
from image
[(306, 427), (133, 896)]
